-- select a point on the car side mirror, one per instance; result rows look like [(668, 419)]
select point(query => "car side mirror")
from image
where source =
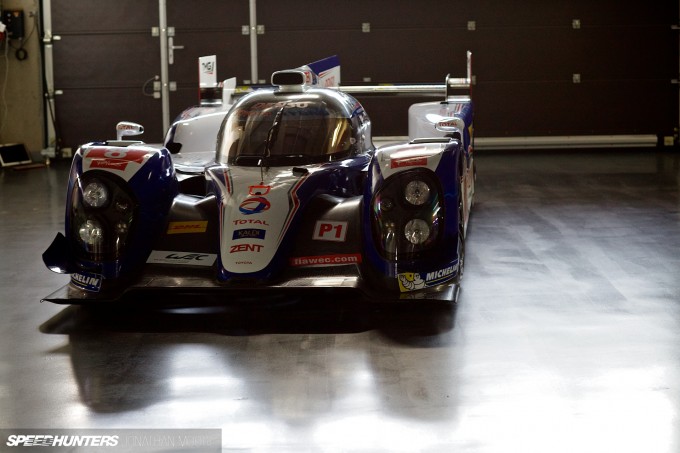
[(126, 128), (449, 125)]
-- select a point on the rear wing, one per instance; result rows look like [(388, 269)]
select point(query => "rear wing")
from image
[(325, 73), (447, 89)]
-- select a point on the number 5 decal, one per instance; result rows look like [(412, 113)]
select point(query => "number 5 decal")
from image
[(326, 230)]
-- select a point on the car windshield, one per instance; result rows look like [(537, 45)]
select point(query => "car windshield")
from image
[(288, 132)]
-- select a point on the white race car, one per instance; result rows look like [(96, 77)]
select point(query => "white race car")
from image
[(279, 191)]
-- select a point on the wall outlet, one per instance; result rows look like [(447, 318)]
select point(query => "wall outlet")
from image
[(14, 21)]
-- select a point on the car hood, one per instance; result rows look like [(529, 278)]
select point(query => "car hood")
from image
[(257, 209)]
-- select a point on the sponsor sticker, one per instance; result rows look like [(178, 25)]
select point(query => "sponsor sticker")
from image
[(254, 205), (249, 233), (109, 164), (413, 281), (259, 190), (250, 222), (326, 260), (115, 159), (87, 281), (182, 258), (125, 155), (193, 226), (416, 161), (122, 161), (208, 67), (246, 248), (326, 230)]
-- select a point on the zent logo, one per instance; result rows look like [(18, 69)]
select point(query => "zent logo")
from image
[(245, 248), (254, 205)]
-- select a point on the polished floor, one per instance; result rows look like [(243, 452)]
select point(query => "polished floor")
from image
[(566, 337)]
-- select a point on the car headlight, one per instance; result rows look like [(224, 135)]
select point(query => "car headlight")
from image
[(103, 212), (386, 204), (91, 234), (417, 192), (95, 194), (408, 214), (417, 231), (389, 239)]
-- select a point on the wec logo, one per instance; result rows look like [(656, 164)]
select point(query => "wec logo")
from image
[(182, 258), (189, 256)]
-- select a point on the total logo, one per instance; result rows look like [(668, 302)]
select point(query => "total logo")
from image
[(254, 205)]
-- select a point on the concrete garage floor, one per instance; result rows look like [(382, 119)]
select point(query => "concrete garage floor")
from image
[(566, 337)]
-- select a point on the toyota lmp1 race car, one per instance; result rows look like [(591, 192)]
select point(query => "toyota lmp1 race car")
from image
[(278, 192)]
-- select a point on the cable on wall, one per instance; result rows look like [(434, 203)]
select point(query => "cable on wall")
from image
[(3, 95), (19, 52)]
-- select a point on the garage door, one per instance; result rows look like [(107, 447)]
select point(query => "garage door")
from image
[(541, 68)]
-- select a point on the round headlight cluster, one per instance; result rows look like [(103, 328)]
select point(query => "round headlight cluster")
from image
[(95, 194), (102, 216), (91, 233), (417, 231), (408, 214), (417, 192)]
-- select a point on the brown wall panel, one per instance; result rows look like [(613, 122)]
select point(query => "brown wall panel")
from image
[(105, 55), (81, 16), (525, 54), (206, 14), (92, 114), (524, 58), (227, 45), (589, 108), (104, 60), (206, 27)]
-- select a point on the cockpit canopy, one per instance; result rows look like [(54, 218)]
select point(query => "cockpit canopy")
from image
[(271, 128)]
